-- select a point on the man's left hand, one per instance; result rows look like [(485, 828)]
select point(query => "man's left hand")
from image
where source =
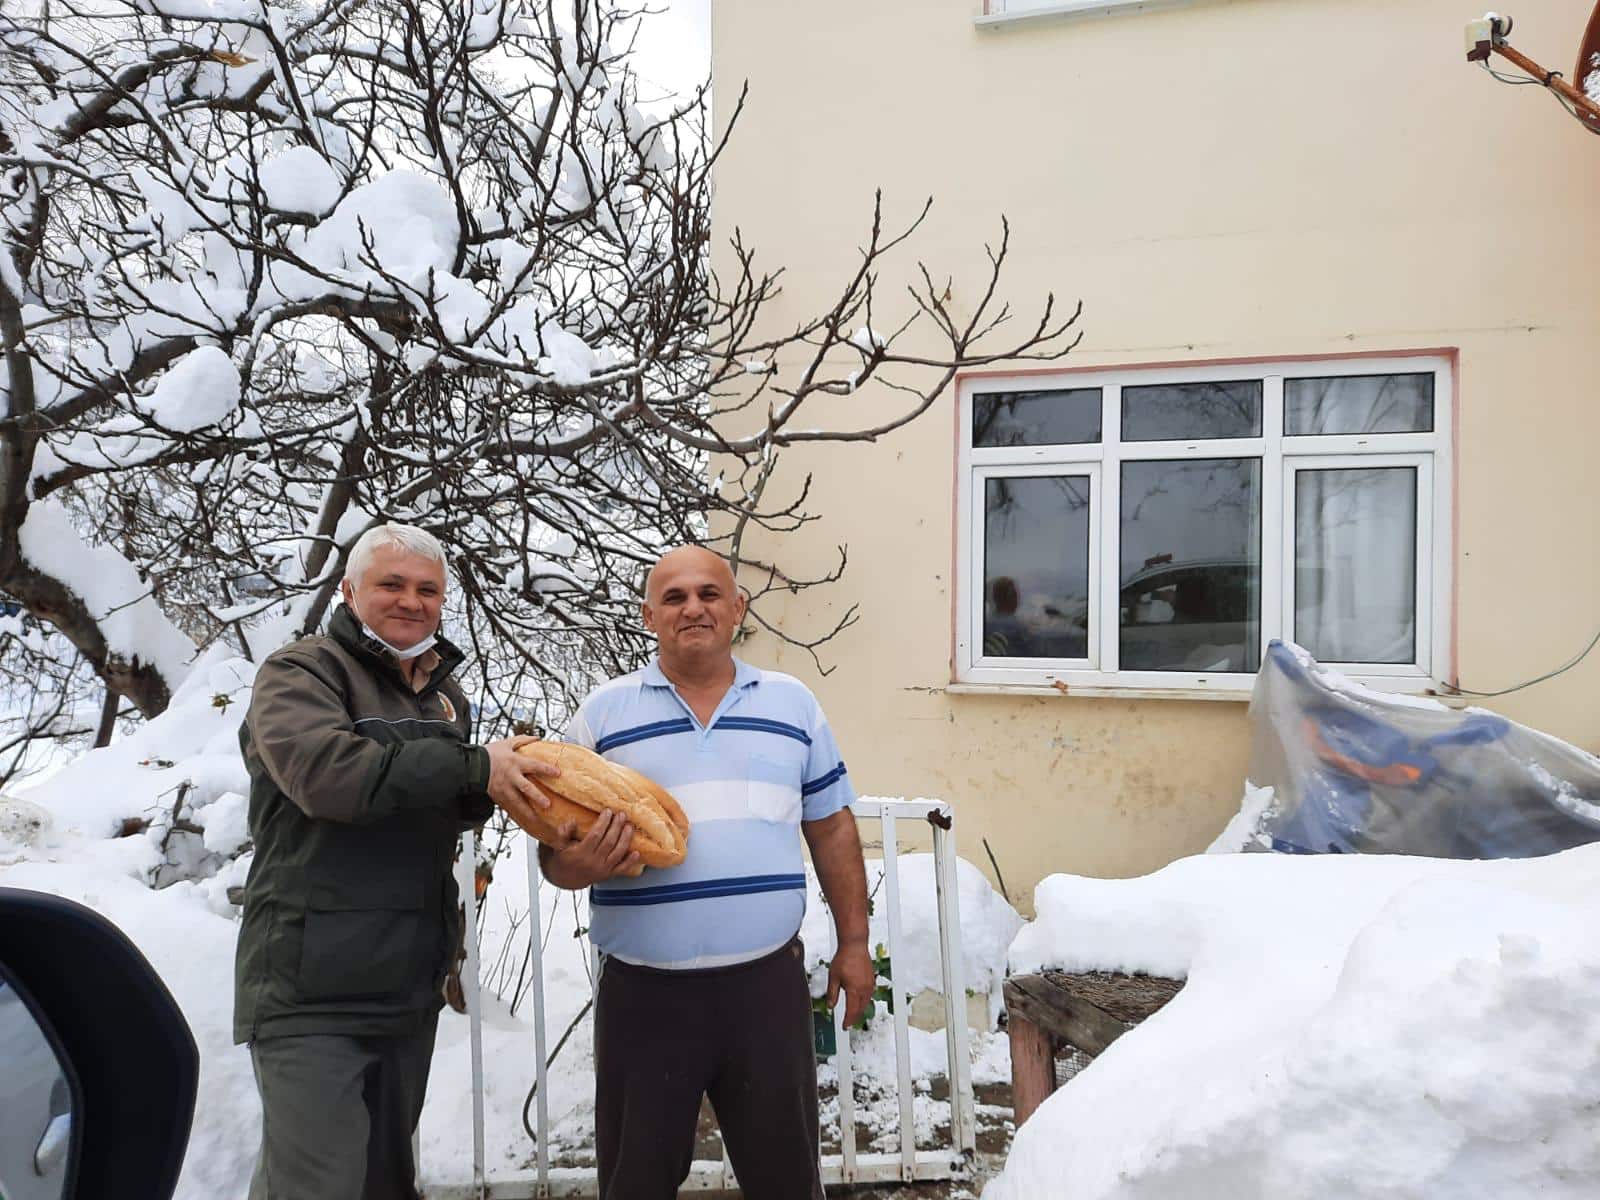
[(852, 970)]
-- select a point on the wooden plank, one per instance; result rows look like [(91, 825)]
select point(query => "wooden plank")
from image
[(1087, 1011), (1064, 1016), (1127, 998), (1033, 1075)]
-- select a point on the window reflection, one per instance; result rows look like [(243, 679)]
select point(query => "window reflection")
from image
[(1191, 565), (1036, 567), (1358, 404), (1059, 417), (1182, 411)]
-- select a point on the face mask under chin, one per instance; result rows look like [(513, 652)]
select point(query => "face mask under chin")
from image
[(405, 655)]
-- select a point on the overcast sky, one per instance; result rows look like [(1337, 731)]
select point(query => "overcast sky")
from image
[(675, 46)]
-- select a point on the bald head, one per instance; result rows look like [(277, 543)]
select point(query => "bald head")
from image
[(696, 558), (694, 607)]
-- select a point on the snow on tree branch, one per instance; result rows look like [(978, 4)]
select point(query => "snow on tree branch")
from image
[(270, 273)]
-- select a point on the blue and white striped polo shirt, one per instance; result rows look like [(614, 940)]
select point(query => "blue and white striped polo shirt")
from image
[(766, 762)]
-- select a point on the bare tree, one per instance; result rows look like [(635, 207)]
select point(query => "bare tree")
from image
[(48, 692), (274, 273)]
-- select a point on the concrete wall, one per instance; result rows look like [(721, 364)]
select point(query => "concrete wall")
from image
[(1264, 177)]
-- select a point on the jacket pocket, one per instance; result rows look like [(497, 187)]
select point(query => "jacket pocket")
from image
[(361, 940)]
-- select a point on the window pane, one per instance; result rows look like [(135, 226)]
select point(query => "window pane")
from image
[(1355, 564), (1054, 418), (1358, 404), (1191, 565), (1036, 567), (1189, 411)]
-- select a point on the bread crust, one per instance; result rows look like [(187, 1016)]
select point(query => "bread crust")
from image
[(589, 785)]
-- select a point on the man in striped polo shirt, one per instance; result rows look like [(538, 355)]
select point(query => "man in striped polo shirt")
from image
[(703, 989)]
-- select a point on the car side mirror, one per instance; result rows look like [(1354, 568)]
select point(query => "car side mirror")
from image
[(38, 1093), (100, 1069)]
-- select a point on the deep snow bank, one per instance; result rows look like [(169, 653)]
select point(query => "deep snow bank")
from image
[(1351, 1027)]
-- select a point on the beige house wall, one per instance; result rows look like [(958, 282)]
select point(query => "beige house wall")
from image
[(1263, 177)]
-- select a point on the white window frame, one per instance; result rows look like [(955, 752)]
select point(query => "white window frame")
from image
[(1280, 458), (1000, 14), (1423, 465), (1079, 467)]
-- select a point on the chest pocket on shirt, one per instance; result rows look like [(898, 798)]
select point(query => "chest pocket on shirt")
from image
[(773, 789)]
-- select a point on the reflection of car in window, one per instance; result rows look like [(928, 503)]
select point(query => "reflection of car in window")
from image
[(1212, 590), (1199, 614)]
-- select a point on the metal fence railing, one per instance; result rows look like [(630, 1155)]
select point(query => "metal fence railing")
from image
[(952, 1159)]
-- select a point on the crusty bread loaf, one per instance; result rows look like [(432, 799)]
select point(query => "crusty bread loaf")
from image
[(588, 785)]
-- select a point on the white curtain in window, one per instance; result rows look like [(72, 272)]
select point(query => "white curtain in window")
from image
[(1356, 564)]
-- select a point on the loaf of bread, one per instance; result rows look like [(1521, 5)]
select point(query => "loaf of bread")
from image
[(588, 785)]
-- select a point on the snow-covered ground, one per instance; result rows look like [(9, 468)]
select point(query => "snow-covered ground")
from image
[(1351, 1027), (166, 883)]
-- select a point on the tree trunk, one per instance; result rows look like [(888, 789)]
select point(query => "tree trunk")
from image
[(108, 719)]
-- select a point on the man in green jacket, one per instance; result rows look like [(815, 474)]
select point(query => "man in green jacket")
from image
[(362, 776)]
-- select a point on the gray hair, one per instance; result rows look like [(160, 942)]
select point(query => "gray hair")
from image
[(407, 538)]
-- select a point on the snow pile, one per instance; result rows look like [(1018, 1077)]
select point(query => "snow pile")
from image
[(1244, 828), (193, 747), (22, 822), (1351, 1026), (226, 823), (988, 925)]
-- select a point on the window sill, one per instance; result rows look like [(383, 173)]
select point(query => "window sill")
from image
[(1069, 10), (1098, 691), (1233, 693)]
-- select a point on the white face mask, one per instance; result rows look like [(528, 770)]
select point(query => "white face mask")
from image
[(405, 655)]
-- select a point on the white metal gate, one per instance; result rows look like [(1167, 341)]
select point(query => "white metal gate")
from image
[(950, 1161)]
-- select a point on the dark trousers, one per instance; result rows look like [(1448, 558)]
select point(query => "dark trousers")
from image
[(741, 1035), (337, 1115)]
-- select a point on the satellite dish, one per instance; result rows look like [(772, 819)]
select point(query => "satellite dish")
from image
[(1589, 67)]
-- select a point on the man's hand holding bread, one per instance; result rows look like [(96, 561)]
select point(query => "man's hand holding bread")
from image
[(600, 818), (606, 850), (511, 776)]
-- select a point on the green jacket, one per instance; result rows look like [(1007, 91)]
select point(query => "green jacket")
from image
[(359, 786)]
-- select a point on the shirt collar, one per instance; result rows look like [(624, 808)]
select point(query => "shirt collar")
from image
[(744, 675), (426, 664)]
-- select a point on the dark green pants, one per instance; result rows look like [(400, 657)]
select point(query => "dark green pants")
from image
[(338, 1114)]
